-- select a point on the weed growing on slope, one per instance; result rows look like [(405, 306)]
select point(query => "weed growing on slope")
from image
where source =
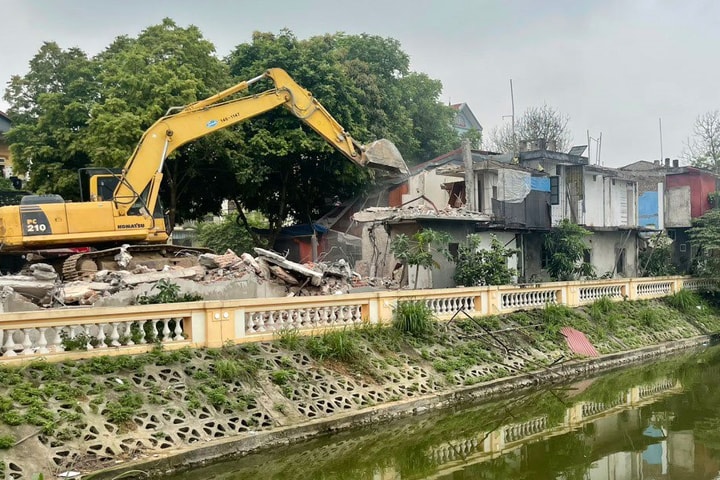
[(414, 318), (342, 345), (684, 300)]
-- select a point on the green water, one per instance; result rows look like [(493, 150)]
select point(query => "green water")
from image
[(657, 421)]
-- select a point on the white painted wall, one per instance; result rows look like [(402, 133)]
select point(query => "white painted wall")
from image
[(603, 250), (677, 207), (608, 204), (429, 184)]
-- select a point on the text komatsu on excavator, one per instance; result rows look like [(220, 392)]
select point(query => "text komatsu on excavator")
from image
[(124, 209)]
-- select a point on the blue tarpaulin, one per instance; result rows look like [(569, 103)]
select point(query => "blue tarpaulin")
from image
[(541, 184)]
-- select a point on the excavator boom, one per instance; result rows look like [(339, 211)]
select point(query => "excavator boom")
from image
[(143, 171)]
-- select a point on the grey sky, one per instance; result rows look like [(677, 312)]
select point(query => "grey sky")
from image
[(613, 66)]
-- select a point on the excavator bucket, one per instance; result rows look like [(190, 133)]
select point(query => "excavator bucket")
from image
[(383, 155)]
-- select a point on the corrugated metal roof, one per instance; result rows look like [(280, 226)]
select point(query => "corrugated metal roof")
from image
[(578, 342)]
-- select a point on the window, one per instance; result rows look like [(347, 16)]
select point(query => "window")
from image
[(554, 190), (587, 256), (558, 169), (453, 248), (544, 257)]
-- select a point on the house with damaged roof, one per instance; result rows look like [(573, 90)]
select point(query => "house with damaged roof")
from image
[(516, 198), (462, 192)]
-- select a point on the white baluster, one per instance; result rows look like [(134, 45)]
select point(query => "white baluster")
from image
[(128, 332), (9, 344), (88, 345), (154, 330), (166, 330), (178, 330), (114, 335), (101, 336), (27, 342), (55, 340), (42, 341)]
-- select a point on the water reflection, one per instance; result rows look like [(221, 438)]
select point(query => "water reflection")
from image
[(660, 421)]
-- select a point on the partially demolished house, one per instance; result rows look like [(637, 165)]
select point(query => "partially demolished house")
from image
[(603, 200), (503, 199), (515, 198)]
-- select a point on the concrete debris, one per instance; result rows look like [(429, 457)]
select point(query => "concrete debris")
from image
[(380, 214), (215, 277)]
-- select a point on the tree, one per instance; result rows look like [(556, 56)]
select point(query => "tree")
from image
[(536, 123), (229, 233), (565, 248), (705, 236), (364, 81), (71, 111), (483, 267), (50, 111), (140, 79), (419, 249), (703, 148), (656, 259)]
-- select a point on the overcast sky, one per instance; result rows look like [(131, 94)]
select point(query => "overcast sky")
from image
[(615, 67)]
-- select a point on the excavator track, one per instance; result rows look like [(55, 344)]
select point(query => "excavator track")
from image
[(80, 265)]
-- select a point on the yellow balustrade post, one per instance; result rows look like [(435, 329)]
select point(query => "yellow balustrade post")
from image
[(633, 395), (494, 299), (573, 415), (219, 326), (495, 442), (630, 288), (569, 295), (387, 301)]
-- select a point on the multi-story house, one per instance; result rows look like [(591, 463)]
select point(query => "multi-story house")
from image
[(602, 199)]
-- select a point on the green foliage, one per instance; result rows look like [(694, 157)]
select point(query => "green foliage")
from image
[(657, 258), (49, 107), (705, 236), (650, 318), (281, 377), (555, 317), (124, 409), (167, 292), (419, 249), (229, 234), (231, 370), (365, 82), (342, 345), (483, 267), (6, 442), (289, 338), (684, 300), (565, 247), (414, 318), (601, 307)]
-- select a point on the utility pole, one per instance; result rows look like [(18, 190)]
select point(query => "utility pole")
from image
[(512, 104), (662, 158)]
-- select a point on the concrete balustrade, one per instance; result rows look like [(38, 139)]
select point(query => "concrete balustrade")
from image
[(48, 333)]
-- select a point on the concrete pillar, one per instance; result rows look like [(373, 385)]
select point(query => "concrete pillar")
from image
[(470, 191)]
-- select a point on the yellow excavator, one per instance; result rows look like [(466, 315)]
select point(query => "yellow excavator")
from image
[(124, 210)]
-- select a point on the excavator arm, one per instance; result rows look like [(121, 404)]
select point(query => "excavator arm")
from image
[(142, 173)]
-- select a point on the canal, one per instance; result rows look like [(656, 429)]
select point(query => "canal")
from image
[(655, 421)]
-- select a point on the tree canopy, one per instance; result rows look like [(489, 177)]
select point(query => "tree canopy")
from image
[(536, 123), (71, 111), (703, 147)]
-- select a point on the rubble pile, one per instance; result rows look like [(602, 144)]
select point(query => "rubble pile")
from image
[(376, 214), (40, 286)]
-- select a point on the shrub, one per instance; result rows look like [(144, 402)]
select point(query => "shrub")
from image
[(167, 292), (684, 300), (340, 345), (650, 318), (601, 307), (414, 318), (483, 267)]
